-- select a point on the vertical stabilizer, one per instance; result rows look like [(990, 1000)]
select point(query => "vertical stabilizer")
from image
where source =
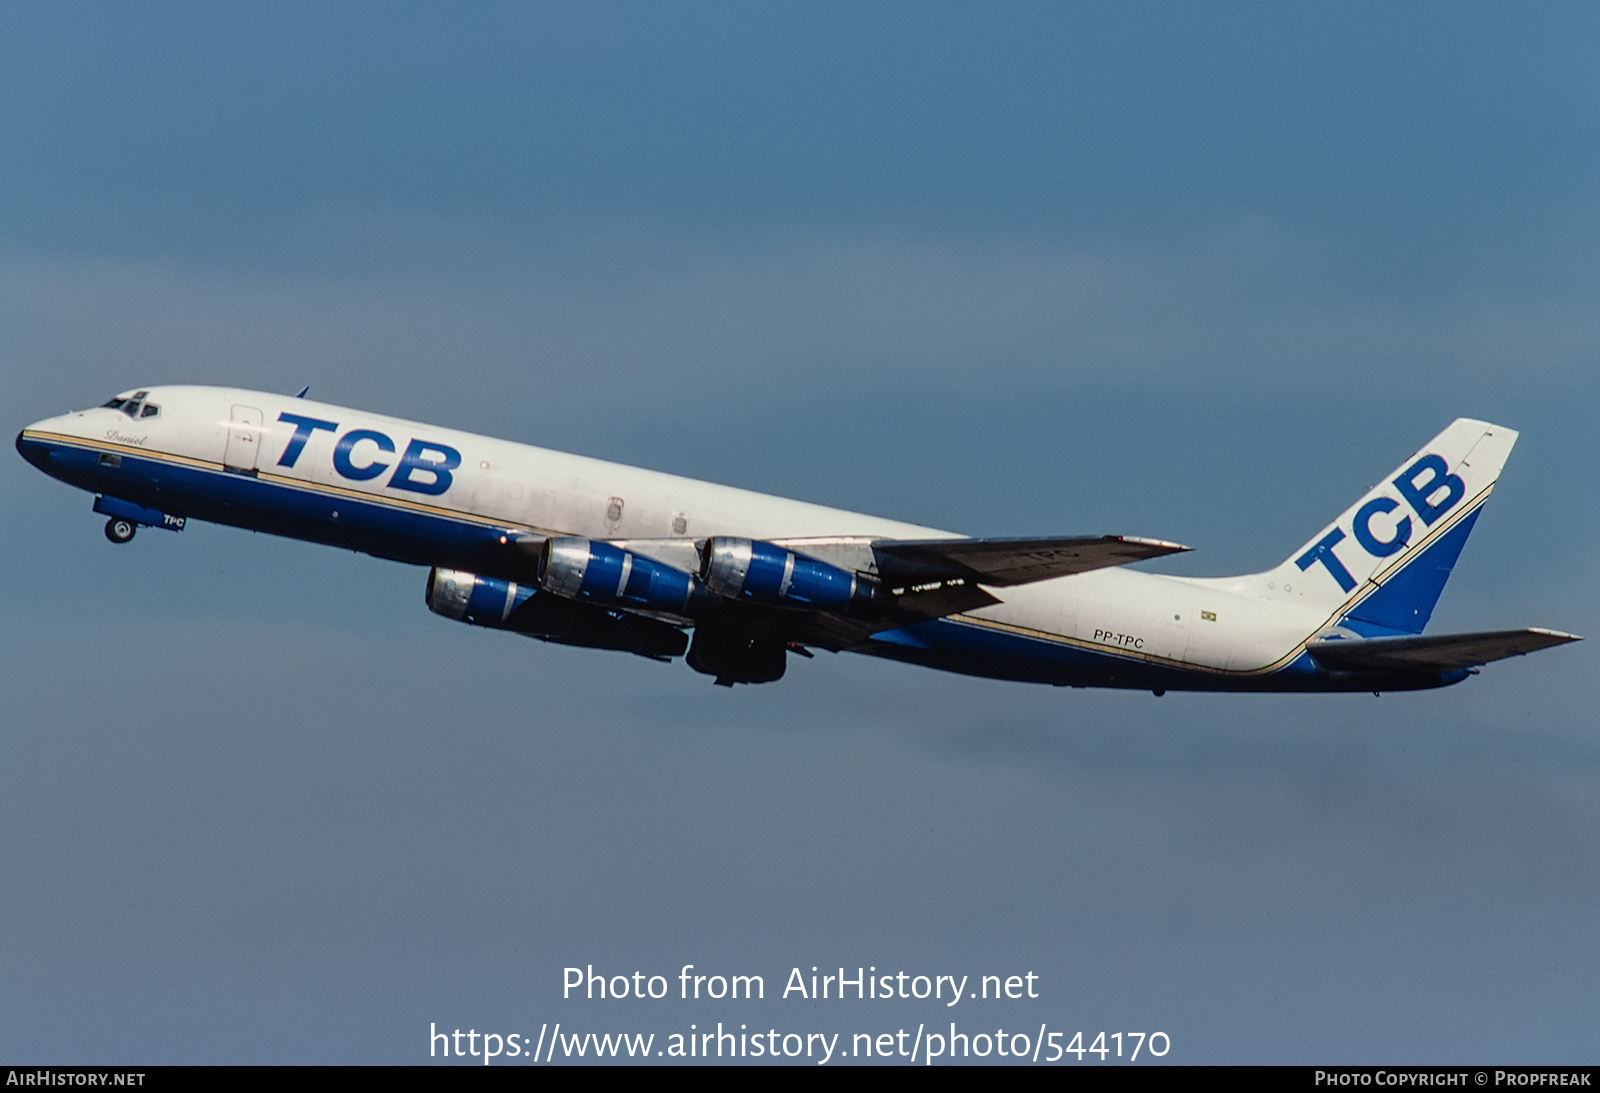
[(1380, 567)]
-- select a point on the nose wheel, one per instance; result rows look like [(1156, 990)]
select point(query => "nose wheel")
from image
[(120, 531)]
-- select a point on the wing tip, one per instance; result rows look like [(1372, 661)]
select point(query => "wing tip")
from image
[(1561, 636), (1161, 546)]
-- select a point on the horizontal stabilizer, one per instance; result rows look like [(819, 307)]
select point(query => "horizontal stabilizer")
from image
[(1440, 653), (1001, 562)]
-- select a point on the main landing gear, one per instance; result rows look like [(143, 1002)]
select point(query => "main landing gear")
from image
[(119, 530)]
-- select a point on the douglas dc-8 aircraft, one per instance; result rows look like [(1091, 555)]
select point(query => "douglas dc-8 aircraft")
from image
[(585, 552)]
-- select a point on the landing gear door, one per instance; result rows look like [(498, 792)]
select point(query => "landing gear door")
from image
[(244, 440)]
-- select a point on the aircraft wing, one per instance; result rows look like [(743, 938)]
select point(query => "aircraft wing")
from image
[(1433, 653), (904, 563), (917, 579), (1001, 562), (929, 579)]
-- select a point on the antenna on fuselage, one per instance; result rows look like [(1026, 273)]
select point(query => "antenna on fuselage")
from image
[(302, 392)]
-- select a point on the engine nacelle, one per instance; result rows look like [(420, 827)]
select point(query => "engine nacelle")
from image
[(482, 601), (581, 569), (505, 605), (765, 573)]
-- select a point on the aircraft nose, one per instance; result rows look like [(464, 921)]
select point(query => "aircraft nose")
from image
[(32, 449)]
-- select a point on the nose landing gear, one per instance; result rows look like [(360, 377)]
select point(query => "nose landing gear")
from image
[(119, 530)]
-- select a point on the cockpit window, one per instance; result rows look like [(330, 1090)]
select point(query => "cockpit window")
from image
[(134, 406)]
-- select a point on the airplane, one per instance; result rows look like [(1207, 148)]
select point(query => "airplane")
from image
[(584, 552)]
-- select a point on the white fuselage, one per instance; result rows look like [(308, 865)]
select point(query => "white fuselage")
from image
[(1227, 627)]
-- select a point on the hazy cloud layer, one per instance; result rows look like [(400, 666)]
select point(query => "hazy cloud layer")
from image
[(637, 323)]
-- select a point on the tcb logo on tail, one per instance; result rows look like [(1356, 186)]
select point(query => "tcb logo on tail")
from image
[(1428, 488)]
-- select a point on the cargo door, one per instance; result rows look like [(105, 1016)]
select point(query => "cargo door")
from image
[(244, 440)]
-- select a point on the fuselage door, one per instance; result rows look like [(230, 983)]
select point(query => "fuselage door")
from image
[(244, 439), (1177, 621)]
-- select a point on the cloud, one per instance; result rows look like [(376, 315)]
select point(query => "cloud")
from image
[(616, 322)]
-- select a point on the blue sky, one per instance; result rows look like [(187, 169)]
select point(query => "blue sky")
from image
[(1202, 273)]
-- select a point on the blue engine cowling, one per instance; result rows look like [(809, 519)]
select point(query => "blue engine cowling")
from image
[(505, 605), (482, 601), (759, 572), (581, 569)]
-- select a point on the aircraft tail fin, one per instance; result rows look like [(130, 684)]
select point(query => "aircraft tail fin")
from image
[(1380, 567)]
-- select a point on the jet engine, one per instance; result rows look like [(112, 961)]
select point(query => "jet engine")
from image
[(587, 571), (506, 605), (467, 597), (768, 574)]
